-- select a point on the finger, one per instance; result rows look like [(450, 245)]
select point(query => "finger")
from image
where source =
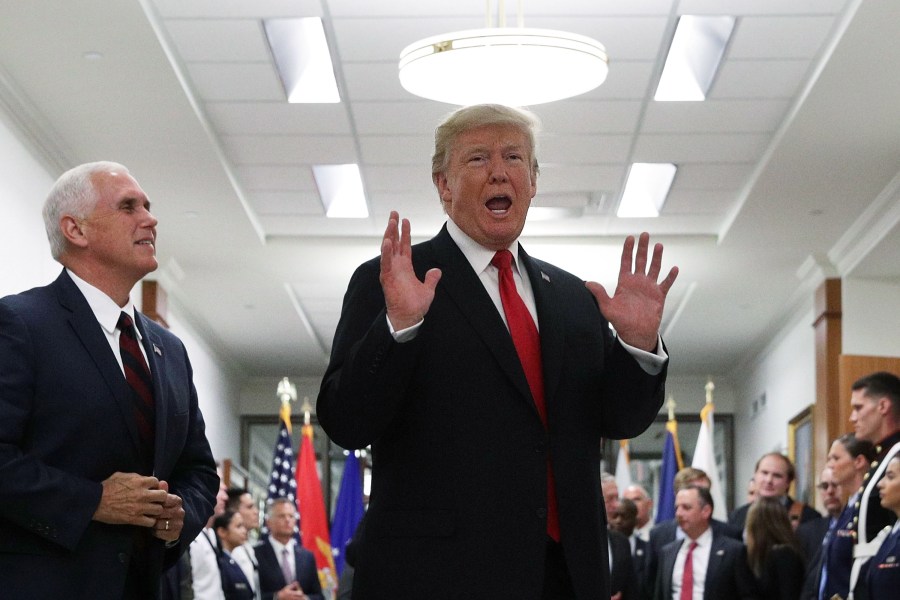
[(655, 262), (390, 232), (432, 277), (386, 256), (668, 281), (627, 250), (405, 238), (598, 291), (640, 263)]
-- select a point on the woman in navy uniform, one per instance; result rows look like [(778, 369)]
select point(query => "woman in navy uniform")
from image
[(232, 533), (884, 569)]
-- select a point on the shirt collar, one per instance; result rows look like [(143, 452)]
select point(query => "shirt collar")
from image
[(477, 255), (105, 310)]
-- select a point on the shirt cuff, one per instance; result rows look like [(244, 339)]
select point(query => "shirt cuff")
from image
[(651, 363), (404, 335)]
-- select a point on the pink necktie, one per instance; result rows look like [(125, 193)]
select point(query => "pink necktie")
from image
[(528, 346), (286, 566)]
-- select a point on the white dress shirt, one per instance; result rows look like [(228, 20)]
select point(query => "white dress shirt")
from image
[(699, 561)]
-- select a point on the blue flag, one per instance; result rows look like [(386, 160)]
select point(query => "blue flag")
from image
[(671, 464), (348, 510)]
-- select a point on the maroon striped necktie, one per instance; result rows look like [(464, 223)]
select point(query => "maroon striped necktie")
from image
[(137, 374), (527, 341)]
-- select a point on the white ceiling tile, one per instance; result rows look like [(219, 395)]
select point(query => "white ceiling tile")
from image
[(389, 178), (415, 117), (286, 203), (716, 116), (700, 147), (759, 79), (578, 116), (368, 81), (235, 118), (236, 81), (381, 40), (698, 202), (761, 7), (231, 40), (397, 150), (276, 178), (583, 149), (217, 9), (711, 176), (288, 149), (626, 80), (625, 38), (778, 37), (556, 179)]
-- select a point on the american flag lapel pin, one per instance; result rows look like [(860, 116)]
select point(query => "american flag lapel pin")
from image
[(157, 350), (545, 277)]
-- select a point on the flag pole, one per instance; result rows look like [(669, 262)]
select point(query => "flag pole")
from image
[(671, 406), (710, 386)]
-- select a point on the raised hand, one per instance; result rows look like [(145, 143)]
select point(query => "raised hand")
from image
[(407, 299), (635, 309)]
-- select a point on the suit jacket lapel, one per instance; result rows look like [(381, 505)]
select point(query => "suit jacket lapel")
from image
[(714, 566), (668, 567), (464, 288), (89, 332), (550, 325)]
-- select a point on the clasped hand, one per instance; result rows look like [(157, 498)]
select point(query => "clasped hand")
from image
[(133, 499)]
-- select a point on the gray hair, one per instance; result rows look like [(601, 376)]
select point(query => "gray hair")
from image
[(74, 195), (481, 115)]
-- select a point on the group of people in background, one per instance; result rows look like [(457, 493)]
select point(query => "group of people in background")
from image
[(230, 560), (775, 547)]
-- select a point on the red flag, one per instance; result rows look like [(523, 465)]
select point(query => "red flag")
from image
[(311, 506)]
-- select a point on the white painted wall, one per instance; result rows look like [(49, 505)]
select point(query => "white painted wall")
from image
[(871, 319), (25, 260), (785, 372)]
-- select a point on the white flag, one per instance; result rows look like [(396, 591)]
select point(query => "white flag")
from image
[(705, 459), (623, 468)]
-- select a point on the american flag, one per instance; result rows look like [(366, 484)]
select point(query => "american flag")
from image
[(282, 483)]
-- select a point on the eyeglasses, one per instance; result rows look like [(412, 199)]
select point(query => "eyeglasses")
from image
[(824, 486)]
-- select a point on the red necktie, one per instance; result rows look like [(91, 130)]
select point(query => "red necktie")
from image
[(528, 346), (137, 374), (687, 580)]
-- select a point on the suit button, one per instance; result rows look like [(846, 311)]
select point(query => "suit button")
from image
[(541, 513), (123, 558), (540, 447)]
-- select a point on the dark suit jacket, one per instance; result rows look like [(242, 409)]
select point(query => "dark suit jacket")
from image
[(66, 424), (811, 536), (271, 579), (664, 533), (639, 561), (727, 574), (622, 577), (459, 490), (883, 574), (782, 574)]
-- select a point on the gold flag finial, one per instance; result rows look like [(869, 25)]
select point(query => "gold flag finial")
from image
[(710, 386), (671, 406)]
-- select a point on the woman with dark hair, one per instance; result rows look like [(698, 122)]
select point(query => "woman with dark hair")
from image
[(773, 553), (883, 573), (229, 528), (849, 459)]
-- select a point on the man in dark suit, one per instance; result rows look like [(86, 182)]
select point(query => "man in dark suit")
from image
[(773, 475), (623, 583), (715, 563), (103, 478), (469, 422), (287, 570), (666, 532), (811, 535)]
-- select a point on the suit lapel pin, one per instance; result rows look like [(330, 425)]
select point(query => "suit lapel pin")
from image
[(639, 552), (720, 553), (157, 350), (545, 277)]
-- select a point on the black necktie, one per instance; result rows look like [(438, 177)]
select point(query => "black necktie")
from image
[(137, 374)]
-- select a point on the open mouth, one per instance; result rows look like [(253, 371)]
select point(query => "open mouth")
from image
[(499, 204)]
